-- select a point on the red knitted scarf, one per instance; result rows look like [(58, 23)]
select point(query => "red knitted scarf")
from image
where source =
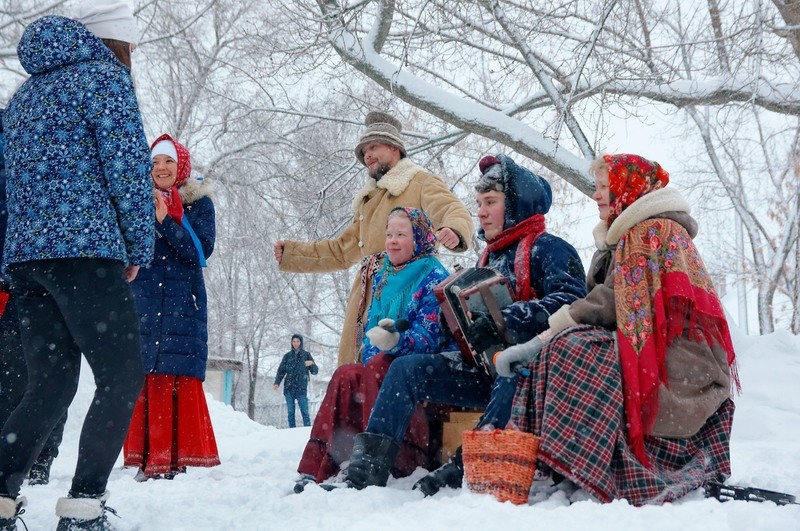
[(661, 289), (526, 233)]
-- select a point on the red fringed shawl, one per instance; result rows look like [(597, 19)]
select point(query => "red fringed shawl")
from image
[(661, 288), (526, 233)]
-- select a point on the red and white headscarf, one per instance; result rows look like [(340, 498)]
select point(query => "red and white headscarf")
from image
[(629, 178), (171, 196)]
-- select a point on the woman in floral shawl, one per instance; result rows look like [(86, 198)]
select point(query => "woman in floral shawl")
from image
[(631, 398), (403, 319)]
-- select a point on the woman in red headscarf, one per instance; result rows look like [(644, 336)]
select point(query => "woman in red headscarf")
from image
[(631, 398), (171, 428)]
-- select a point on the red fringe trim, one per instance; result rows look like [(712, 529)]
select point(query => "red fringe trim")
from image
[(699, 315)]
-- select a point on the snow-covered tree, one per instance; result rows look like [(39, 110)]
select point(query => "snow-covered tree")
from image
[(545, 79)]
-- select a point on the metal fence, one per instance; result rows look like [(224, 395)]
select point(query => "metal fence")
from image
[(276, 414)]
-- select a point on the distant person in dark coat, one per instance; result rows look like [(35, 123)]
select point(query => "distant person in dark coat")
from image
[(295, 367), (171, 427), (13, 371), (79, 211)]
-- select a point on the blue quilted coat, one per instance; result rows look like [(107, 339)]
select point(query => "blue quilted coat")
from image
[(171, 294), (556, 271), (77, 160)]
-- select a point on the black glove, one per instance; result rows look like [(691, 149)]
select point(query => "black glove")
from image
[(482, 333)]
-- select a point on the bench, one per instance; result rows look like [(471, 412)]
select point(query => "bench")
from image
[(446, 424)]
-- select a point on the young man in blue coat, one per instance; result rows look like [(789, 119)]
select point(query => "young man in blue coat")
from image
[(296, 366), (545, 273)]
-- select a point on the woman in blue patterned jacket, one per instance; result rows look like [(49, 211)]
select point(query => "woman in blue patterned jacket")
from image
[(80, 205), (405, 276)]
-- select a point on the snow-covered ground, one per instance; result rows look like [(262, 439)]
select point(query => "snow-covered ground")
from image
[(251, 490)]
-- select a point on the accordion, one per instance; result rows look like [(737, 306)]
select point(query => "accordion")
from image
[(475, 289)]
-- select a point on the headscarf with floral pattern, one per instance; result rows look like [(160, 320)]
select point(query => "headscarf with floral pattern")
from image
[(424, 236), (395, 284), (629, 178)]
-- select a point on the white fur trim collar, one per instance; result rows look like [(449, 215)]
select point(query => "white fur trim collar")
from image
[(193, 189), (395, 181), (647, 206)]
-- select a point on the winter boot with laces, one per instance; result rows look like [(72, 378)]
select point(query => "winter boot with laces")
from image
[(10, 509), (40, 471), (84, 513), (450, 474)]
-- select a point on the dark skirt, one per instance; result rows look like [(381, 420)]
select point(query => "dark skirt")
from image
[(170, 428), (344, 412), (573, 401)]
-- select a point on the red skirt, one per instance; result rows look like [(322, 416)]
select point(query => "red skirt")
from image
[(344, 413), (170, 428)]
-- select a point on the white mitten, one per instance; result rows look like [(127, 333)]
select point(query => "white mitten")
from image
[(382, 338), (387, 324), (506, 361)]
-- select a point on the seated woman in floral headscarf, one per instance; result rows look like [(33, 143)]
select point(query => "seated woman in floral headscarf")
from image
[(631, 398), (403, 319)]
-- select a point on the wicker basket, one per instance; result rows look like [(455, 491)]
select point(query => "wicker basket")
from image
[(500, 462)]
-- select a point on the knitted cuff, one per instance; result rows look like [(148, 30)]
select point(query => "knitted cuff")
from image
[(561, 320)]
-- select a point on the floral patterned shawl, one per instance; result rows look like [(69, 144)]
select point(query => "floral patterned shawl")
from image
[(662, 290)]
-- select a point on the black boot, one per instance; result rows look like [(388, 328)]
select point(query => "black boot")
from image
[(40, 471), (301, 482), (449, 474), (84, 513), (372, 460), (10, 509)]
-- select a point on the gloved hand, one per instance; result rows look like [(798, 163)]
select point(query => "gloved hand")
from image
[(384, 336), (519, 355), (387, 324), (482, 333)]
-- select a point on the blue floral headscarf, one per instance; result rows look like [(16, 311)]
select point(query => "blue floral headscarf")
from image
[(394, 285), (424, 236)]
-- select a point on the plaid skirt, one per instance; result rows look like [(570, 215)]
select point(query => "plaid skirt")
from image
[(573, 401)]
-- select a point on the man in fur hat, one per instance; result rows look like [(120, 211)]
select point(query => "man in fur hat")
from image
[(395, 181)]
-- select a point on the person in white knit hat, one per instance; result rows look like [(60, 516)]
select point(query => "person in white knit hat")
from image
[(109, 19), (395, 181), (113, 22), (88, 192)]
